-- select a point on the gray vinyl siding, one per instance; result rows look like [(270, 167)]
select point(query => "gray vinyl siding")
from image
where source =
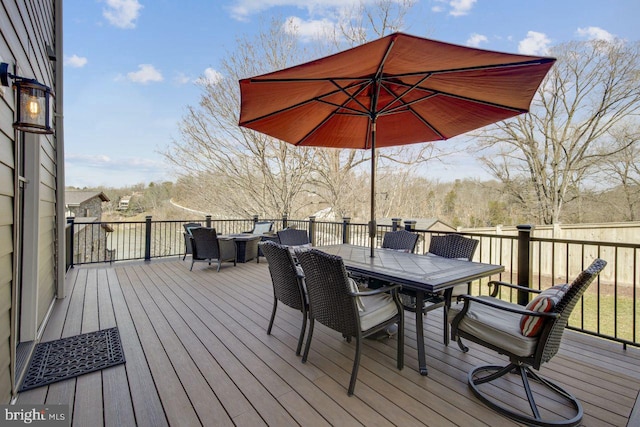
[(26, 27)]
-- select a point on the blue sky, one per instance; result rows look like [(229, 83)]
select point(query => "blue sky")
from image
[(131, 65)]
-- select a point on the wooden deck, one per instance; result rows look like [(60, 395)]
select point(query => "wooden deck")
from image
[(198, 354)]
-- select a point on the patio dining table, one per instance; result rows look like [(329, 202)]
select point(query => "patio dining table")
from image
[(419, 273)]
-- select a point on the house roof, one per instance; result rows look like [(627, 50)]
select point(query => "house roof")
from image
[(75, 197), (421, 223)]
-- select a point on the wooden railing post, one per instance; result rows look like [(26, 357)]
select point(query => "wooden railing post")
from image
[(147, 238), (312, 230), (395, 224), (207, 221), (346, 230), (285, 221), (524, 261)]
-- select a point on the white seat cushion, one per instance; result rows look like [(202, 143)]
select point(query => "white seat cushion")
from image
[(377, 309), (498, 327)]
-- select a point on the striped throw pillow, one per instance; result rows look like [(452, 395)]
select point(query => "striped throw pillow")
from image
[(531, 326)]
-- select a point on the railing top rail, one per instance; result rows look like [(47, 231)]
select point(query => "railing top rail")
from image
[(586, 242)]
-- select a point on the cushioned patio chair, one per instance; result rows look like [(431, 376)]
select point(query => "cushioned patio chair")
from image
[(288, 284), (261, 227), (293, 237), (529, 336), (187, 237), (401, 240), (336, 302), (207, 247)]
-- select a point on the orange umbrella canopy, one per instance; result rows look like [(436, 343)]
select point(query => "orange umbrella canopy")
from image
[(413, 89)]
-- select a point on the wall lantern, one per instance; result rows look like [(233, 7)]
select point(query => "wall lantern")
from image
[(33, 102)]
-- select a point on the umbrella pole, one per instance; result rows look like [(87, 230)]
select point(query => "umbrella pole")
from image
[(372, 222)]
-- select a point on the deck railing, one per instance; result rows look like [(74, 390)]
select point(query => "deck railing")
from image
[(609, 309)]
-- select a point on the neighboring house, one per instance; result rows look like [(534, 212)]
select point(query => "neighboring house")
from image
[(89, 235), (123, 204), (84, 203), (32, 223), (422, 224)]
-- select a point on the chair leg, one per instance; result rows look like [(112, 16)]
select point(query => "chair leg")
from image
[(495, 372), (356, 366), (301, 338), (219, 264), (308, 345), (273, 315), (400, 361), (192, 261)]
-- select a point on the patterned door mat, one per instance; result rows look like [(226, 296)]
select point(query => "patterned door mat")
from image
[(65, 358)]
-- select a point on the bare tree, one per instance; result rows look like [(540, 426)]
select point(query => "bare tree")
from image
[(622, 170), (242, 172), (543, 157)]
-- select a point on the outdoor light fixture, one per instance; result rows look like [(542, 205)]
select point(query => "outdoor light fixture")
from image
[(32, 102)]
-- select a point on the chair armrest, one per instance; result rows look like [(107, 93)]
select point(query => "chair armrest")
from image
[(468, 298), (227, 248), (375, 291), (499, 283)]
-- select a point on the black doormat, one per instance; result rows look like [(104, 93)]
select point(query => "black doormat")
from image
[(69, 357)]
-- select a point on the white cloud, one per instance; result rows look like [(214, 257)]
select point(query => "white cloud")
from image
[(595, 33), (146, 73), (242, 9), (122, 13), (75, 61), (182, 79), (461, 7), (308, 29), (534, 44), (210, 76), (475, 39)]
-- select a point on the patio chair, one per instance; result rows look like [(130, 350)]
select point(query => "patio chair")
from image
[(401, 240), (450, 246), (293, 237), (261, 227), (529, 336), (187, 237), (336, 302), (207, 247), (288, 284)]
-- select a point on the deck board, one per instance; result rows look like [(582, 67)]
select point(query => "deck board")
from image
[(197, 353)]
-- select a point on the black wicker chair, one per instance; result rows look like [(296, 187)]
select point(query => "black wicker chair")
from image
[(187, 237), (207, 247), (401, 240), (333, 301), (293, 237), (504, 327), (288, 284), (450, 246)]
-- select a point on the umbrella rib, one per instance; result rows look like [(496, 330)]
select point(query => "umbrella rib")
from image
[(317, 99)]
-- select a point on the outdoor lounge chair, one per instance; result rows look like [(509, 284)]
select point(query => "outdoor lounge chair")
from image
[(334, 301), (288, 284), (187, 237), (261, 227), (529, 336), (207, 247)]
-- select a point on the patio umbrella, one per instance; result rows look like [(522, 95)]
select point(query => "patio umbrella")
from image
[(396, 90)]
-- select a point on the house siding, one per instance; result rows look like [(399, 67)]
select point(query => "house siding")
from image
[(26, 27)]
